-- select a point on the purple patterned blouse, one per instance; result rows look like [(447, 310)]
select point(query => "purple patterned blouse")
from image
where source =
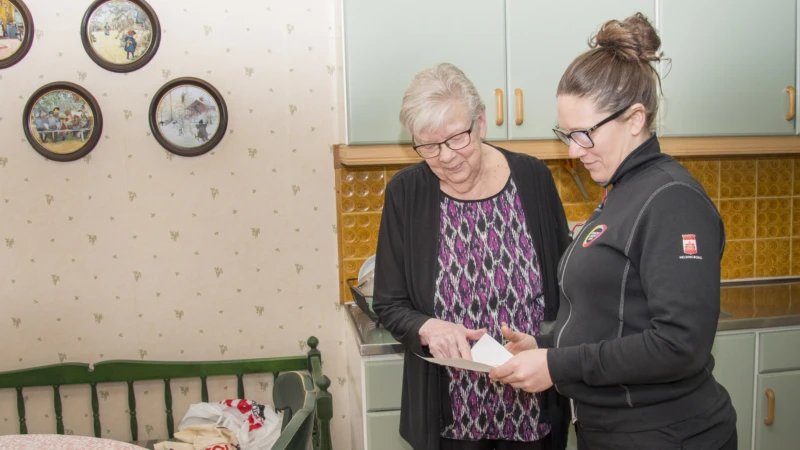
[(488, 273)]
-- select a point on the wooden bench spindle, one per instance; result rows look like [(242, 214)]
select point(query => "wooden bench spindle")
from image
[(204, 389), (57, 407), (168, 402), (240, 385), (95, 410), (132, 410), (23, 427)]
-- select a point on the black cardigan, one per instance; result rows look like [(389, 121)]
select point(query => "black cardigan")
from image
[(405, 274)]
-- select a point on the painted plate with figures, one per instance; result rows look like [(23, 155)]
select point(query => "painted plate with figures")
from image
[(188, 117), (62, 121), (121, 35), (16, 32)]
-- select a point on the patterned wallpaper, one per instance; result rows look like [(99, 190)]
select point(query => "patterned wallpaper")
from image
[(134, 253), (759, 199)]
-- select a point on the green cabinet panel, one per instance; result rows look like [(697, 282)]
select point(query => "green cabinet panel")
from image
[(735, 370), (384, 384), (544, 36), (783, 433), (779, 350), (387, 43), (383, 431), (731, 63)]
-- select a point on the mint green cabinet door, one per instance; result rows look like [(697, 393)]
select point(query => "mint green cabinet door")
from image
[(731, 64), (383, 431), (783, 433), (387, 43), (544, 36), (735, 357)]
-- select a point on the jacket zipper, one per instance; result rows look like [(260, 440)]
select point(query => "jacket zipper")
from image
[(572, 405)]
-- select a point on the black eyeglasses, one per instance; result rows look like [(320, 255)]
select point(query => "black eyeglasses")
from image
[(583, 137), (454, 142)]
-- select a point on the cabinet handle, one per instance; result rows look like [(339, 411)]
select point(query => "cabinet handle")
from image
[(498, 93), (770, 407), (792, 100), (520, 112)]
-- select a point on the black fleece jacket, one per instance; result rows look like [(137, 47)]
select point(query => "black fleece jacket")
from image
[(640, 300), (405, 279)]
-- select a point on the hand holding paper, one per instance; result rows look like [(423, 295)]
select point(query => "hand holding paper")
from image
[(527, 371), (486, 355)]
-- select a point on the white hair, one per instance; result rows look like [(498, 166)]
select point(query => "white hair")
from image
[(435, 95)]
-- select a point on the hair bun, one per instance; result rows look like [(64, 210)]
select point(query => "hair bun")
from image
[(633, 38)]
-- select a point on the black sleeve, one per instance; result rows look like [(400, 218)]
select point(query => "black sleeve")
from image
[(391, 300), (682, 290), (555, 242)]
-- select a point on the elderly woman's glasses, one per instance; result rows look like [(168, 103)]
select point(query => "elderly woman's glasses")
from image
[(583, 137), (454, 142)]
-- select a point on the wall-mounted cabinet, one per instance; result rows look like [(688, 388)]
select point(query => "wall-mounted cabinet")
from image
[(728, 76)]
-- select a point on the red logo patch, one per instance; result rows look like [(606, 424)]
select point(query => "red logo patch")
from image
[(594, 234), (689, 244)]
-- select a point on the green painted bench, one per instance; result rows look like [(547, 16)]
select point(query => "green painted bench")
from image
[(303, 397)]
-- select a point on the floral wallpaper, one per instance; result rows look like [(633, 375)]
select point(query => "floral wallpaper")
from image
[(134, 253)]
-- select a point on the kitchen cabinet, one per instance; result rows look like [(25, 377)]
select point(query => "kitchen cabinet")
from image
[(778, 392), (782, 432), (716, 83), (734, 355), (387, 43), (731, 65), (544, 36)]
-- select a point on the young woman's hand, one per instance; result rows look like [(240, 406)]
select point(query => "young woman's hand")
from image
[(517, 342), (527, 371)]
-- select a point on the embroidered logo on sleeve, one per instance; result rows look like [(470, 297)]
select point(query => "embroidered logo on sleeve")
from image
[(594, 234), (690, 247)]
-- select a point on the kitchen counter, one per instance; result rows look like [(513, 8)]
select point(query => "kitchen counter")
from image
[(759, 304), (744, 306), (371, 339)]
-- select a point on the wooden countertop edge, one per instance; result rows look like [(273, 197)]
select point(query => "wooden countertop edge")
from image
[(403, 154)]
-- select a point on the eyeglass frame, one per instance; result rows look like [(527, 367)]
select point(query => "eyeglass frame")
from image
[(438, 145), (588, 132)]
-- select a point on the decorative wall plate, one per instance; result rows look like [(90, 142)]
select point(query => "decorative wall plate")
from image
[(62, 121), (188, 116), (16, 32), (120, 35)]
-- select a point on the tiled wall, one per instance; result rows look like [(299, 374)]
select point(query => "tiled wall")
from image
[(759, 199)]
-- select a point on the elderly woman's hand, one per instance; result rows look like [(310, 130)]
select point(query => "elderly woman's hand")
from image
[(527, 371), (447, 339), (517, 342)]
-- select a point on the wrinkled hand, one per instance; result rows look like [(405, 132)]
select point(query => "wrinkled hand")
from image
[(527, 371), (517, 342), (447, 339)]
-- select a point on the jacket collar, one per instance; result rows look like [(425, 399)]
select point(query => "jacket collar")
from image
[(640, 158)]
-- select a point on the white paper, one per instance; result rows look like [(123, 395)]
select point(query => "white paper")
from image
[(486, 355)]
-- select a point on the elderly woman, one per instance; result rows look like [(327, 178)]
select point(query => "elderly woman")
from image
[(469, 240)]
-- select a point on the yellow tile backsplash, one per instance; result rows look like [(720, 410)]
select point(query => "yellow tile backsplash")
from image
[(758, 198), (773, 217), (737, 178), (775, 177), (773, 257)]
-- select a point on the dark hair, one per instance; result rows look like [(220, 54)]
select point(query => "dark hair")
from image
[(618, 71)]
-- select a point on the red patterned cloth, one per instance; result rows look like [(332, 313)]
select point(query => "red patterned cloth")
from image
[(252, 411), (59, 442)]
